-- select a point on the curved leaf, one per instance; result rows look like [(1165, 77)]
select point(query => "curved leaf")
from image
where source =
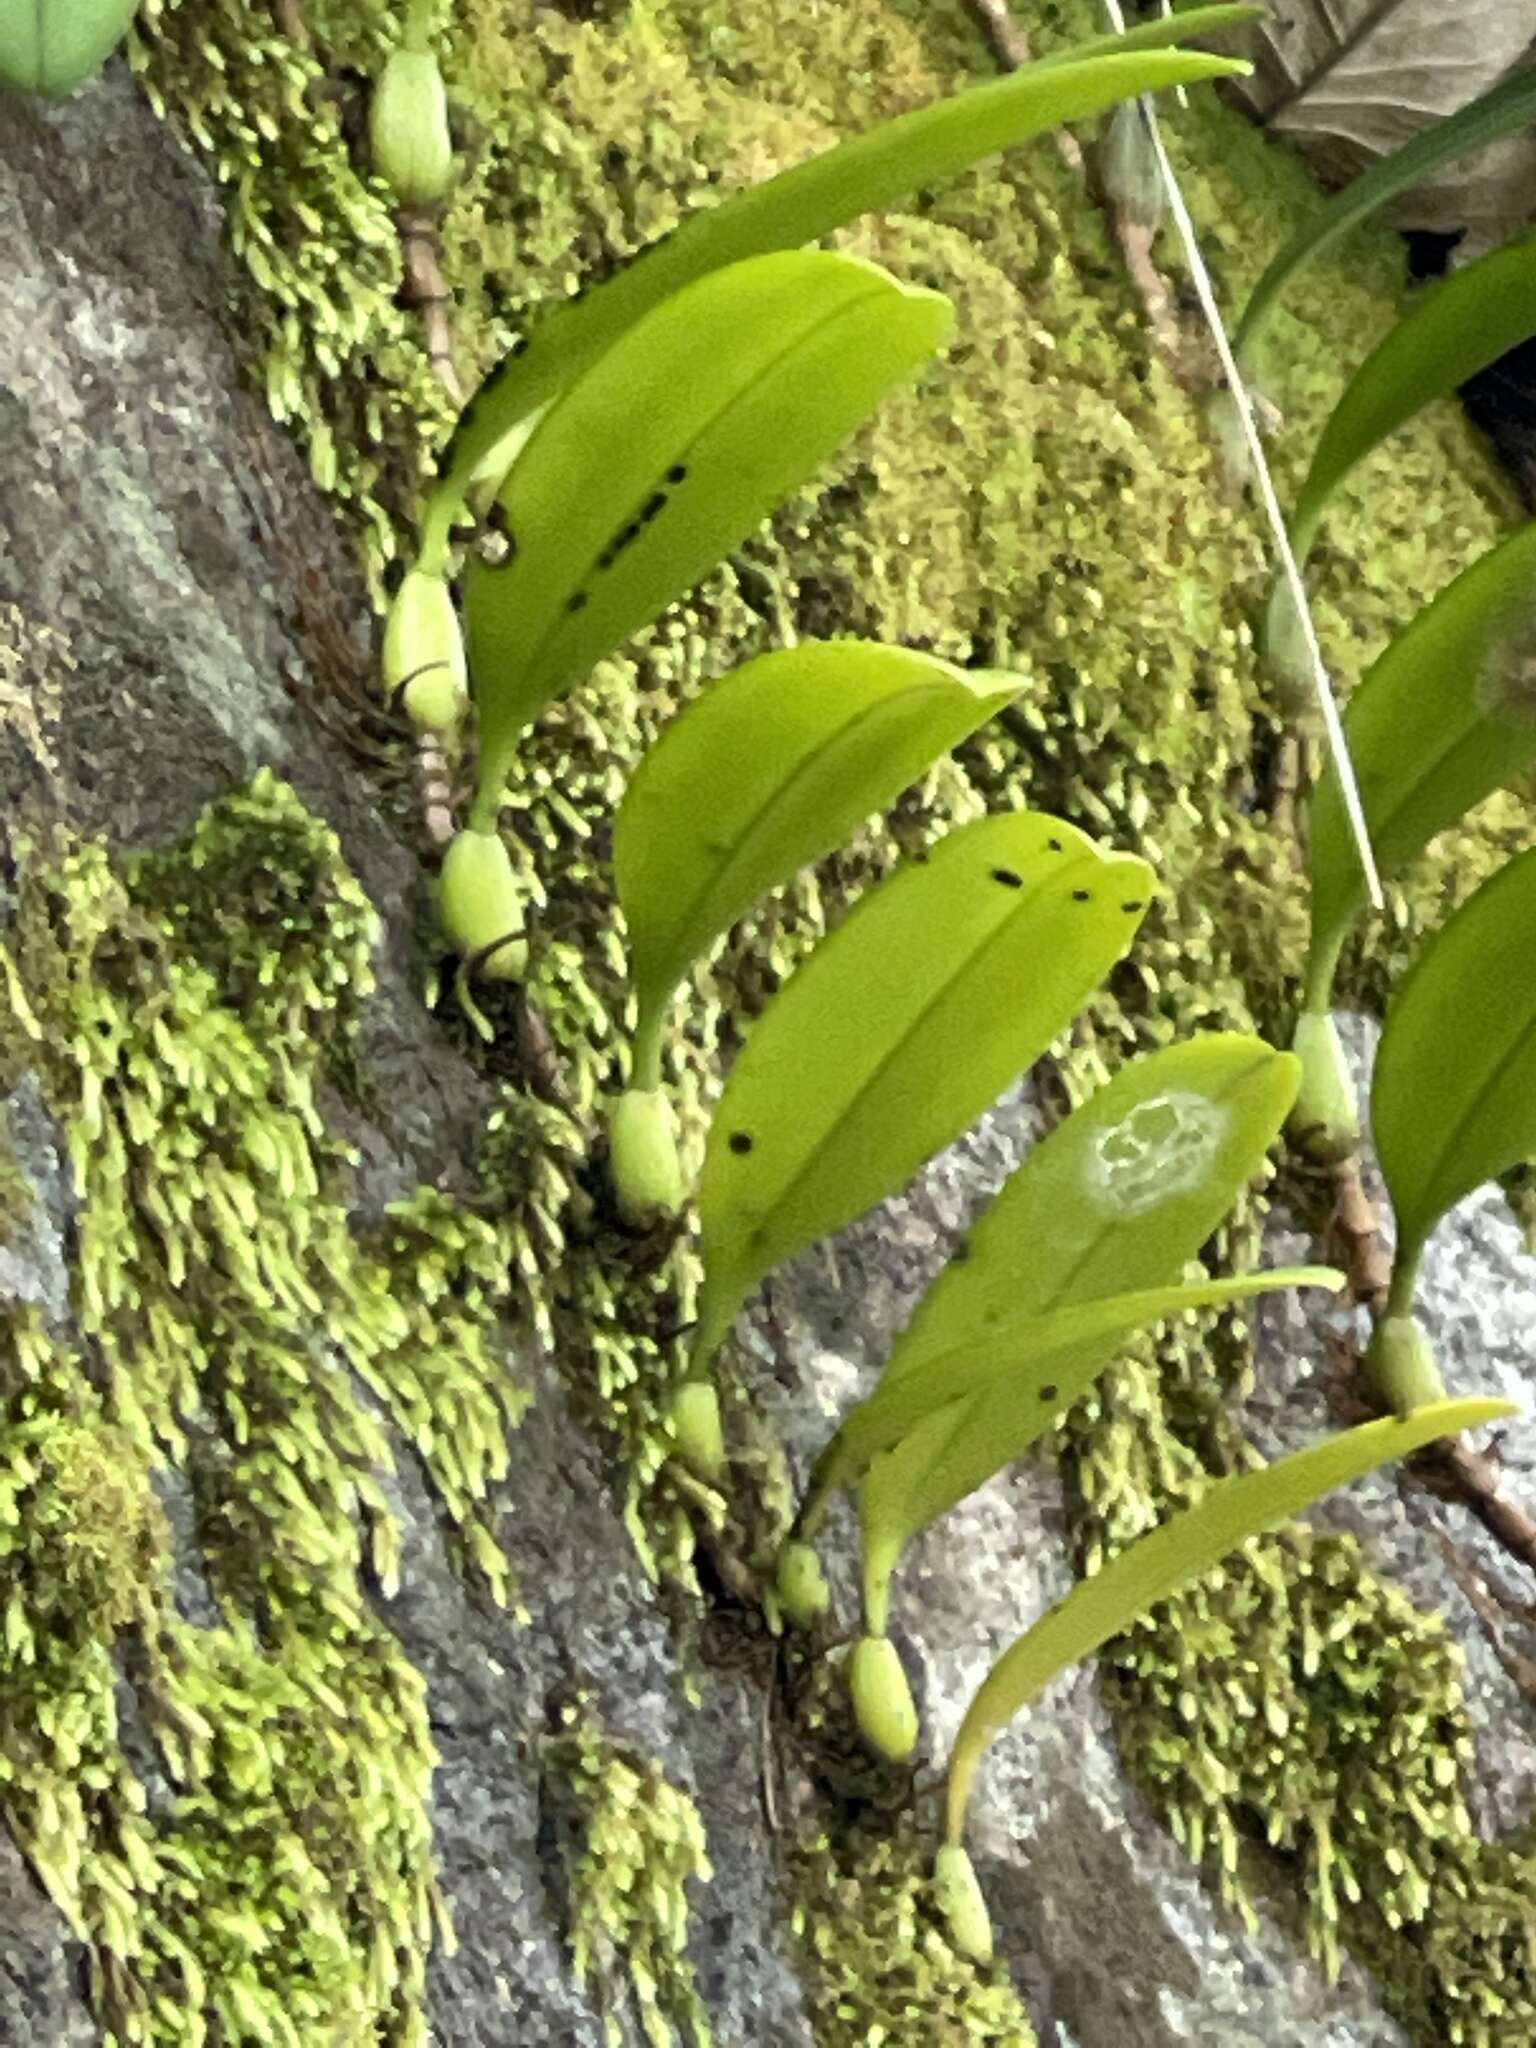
[(1446, 715), (1176, 1555), (666, 454), (1119, 1196), (1050, 1358), (1116, 1199), (1465, 323), (1027, 1375), (1453, 1101), (766, 772), (862, 175), (1510, 105), (904, 1024)]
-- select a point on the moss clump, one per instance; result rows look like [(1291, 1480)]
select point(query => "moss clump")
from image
[(636, 1845), (1047, 498), (879, 1968), (270, 1874), (341, 362)]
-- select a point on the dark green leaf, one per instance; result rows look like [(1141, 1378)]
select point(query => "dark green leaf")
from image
[(764, 773), (1162, 1563), (1465, 323), (1444, 717), (941, 987), (1453, 1102), (666, 454), (1510, 105)]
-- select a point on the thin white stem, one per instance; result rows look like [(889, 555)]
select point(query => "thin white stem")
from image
[(1338, 746)]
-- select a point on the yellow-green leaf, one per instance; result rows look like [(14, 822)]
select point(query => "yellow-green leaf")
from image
[(1176, 1555), (1115, 1200), (1453, 1100), (1113, 1203), (1023, 1377), (940, 988), (1444, 717), (862, 175), (666, 454), (766, 772)]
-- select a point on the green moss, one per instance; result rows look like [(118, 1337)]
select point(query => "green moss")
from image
[(15, 1188), (181, 1010), (340, 362), (636, 1846), (878, 1966), (1047, 497)]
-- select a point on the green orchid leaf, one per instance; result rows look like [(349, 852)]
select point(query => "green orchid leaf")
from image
[(1174, 1556), (1026, 1375), (766, 772), (1038, 1365), (865, 174), (1464, 323), (941, 987), (666, 454), (1443, 718), (1510, 105), (52, 46), (1453, 1100), (1118, 1198)]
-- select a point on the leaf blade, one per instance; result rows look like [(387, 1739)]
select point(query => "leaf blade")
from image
[(1440, 721), (951, 1450), (1064, 1351), (1068, 1227), (769, 770), (862, 175), (738, 388), (1507, 106), (1468, 321), (1119, 1195), (845, 1086), (1175, 1555), (1458, 1057)]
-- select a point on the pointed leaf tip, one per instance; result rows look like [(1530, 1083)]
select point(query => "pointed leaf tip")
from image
[(936, 992)]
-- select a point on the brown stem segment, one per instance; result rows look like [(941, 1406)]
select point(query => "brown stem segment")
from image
[(426, 290)]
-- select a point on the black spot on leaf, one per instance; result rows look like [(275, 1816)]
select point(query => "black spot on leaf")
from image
[(677, 472), (740, 1142), (1133, 906), (652, 506), (1054, 845), (1008, 878), (577, 601), (1082, 895), (1049, 1393)]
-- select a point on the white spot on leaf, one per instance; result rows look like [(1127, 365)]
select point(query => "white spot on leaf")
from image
[(1162, 1148)]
